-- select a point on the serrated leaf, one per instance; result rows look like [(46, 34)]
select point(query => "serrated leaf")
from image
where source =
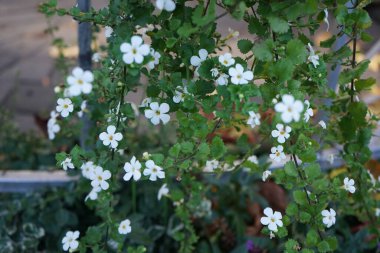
[(312, 170), (263, 50), (296, 51), (282, 70), (217, 148), (205, 69), (245, 45), (300, 197), (278, 25), (290, 169)]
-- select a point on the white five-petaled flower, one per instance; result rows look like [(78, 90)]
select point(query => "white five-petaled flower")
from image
[(64, 106), (277, 153), (167, 5), (87, 169), (222, 79), (282, 133), (83, 108), (67, 164), (214, 72), (313, 58), (196, 60), (110, 138), (70, 241), (153, 171), (349, 185), (272, 219), (134, 51), (226, 59), (266, 174), (52, 125), (155, 59), (108, 31), (132, 169), (157, 113), (211, 166), (93, 195), (99, 178), (80, 81), (328, 217), (309, 112), (180, 94), (326, 19), (239, 76), (163, 191), (125, 227), (254, 119), (289, 108)]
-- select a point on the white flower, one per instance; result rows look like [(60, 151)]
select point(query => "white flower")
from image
[(87, 169), (313, 58), (52, 128), (253, 159), (272, 219), (99, 178), (377, 212), (125, 227), (226, 59), (167, 5), (93, 195), (163, 191), (64, 106), (83, 107), (271, 235), (134, 51), (80, 81), (70, 241), (214, 72), (155, 60), (108, 31), (110, 138), (277, 153), (132, 169), (328, 217), (282, 133), (239, 76), (146, 102), (180, 94), (197, 60), (309, 112), (322, 124), (96, 57), (67, 164), (211, 166), (349, 185), (266, 174), (289, 108), (326, 19), (331, 158), (254, 119), (222, 79), (146, 156), (153, 171), (157, 113)]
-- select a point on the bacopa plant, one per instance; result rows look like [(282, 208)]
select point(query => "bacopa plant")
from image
[(196, 92)]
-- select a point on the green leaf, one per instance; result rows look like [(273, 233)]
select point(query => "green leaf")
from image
[(187, 147), (282, 70), (255, 27), (300, 197), (245, 45), (217, 148), (312, 170), (290, 169), (291, 245), (296, 51), (205, 69), (364, 84), (186, 30), (323, 246), (263, 50), (203, 151), (291, 209), (60, 157), (311, 238), (328, 43), (200, 18), (171, 42), (278, 25), (305, 217), (202, 87), (174, 151)]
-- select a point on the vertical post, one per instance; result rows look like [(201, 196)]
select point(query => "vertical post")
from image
[(84, 60)]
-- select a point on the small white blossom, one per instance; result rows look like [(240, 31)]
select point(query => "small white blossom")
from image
[(331, 158), (70, 241), (282, 133), (52, 126), (349, 185), (211, 166), (153, 171), (96, 57), (64, 106), (110, 138), (313, 58), (93, 195), (155, 59), (254, 119), (167, 5), (277, 153), (135, 51), (163, 191), (99, 178), (108, 31), (87, 169), (322, 124), (309, 112), (326, 19), (253, 159), (272, 219), (377, 212), (328, 217), (239, 76), (125, 227), (266, 174), (214, 72), (146, 102), (80, 81), (196, 61), (132, 169), (222, 79), (83, 108), (289, 108), (180, 94), (157, 113), (146, 156), (67, 164), (226, 59), (271, 235)]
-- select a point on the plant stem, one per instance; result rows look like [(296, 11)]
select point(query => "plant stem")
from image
[(353, 62), (134, 203)]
